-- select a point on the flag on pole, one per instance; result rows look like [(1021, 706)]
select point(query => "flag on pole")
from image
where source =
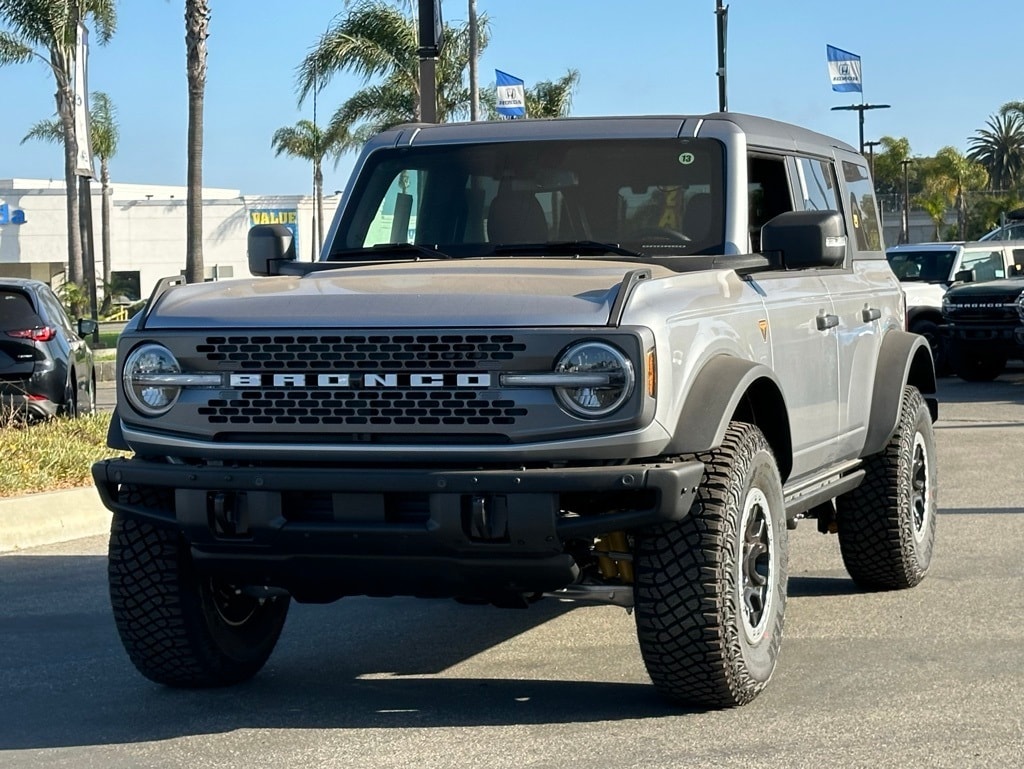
[(83, 160), (844, 70), (511, 93)]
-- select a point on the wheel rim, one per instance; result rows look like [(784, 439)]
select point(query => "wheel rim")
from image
[(919, 487), (756, 569), (233, 606)]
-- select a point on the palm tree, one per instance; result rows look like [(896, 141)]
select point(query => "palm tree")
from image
[(46, 30), (309, 142), (378, 42), (1000, 149), (197, 29), (103, 136), (953, 175)]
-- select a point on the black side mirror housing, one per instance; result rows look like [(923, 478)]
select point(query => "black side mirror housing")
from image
[(87, 327), (964, 276), (806, 239), (268, 247)]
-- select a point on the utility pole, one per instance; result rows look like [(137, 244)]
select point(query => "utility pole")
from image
[(722, 23), (474, 54), (905, 228), (431, 40)]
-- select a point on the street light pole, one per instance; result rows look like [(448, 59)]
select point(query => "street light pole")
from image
[(905, 229), (862, 108), (871, 157)]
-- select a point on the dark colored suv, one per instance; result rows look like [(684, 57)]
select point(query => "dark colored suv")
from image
[(46, 367)]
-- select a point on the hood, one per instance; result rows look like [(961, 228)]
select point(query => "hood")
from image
[(1006, 288), (425, 294)]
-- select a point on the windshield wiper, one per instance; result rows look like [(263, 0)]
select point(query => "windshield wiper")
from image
[(574, 247), (389, 248)]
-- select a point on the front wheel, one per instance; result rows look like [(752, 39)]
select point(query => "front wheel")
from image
[(886, 525), (710, 590), (973, 365), (181, 628)]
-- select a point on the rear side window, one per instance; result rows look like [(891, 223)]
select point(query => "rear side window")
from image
[(863, 209), (17, 312)]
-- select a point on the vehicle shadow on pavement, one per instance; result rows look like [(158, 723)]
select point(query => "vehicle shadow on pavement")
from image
[(359, 663), (811, 587)]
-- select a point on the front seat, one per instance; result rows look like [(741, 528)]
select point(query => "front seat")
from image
[(697, 217), (516, 217)]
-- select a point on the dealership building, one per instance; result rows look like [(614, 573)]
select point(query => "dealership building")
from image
[(147, 231)]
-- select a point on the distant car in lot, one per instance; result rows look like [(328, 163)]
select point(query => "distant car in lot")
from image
[(46, 366), (1012, 229), (927, 270)]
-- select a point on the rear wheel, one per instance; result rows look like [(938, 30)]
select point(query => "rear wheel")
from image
[(181, 628), (886, 525), (710, 590), (69, 406)]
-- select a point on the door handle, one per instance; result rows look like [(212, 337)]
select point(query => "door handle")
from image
[(825, 322), (870, 313)]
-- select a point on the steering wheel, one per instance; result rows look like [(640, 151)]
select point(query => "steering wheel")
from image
[(661, 234)]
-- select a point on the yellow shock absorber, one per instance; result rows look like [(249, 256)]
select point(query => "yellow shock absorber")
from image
[(609, 546)]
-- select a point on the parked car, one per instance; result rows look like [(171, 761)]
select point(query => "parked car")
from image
[(982, 327), (1011, 229), (927, 270), (46, 366)]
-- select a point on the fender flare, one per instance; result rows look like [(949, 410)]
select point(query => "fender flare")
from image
[(725, 387), (903, 359)]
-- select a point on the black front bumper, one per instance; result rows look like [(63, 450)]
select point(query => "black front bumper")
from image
[(326, 532)]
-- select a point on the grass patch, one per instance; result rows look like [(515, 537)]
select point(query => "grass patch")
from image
[(52, 455)]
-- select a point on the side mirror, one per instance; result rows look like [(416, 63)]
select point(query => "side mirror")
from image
[(268, 247), (806, 239), (87, 327), (964, 276)]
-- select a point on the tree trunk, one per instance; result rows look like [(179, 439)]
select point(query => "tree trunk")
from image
[(105, 235), (318, 192), (197, 29)]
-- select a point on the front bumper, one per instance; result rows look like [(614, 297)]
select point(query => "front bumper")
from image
[(325, 532), (992, 335)]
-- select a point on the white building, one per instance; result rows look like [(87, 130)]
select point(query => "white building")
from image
[(147, 229)]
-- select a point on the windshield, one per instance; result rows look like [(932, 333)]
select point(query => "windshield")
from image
[(652, 197), (924, 266)]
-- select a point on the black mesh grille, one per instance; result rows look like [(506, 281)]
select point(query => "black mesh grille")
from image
[(372, 353), (399, 407), (392, 352)]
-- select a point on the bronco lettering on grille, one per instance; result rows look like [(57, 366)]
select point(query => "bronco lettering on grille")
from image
[(402, 380)]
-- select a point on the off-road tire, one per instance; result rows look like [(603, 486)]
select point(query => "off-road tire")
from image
[(172, 625), (700, 646), (973, 365), (886, 525)]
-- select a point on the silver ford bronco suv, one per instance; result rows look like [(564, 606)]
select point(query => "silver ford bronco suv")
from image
[(601, 359)]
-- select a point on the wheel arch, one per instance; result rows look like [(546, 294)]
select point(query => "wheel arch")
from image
[(732, 389), (903, 359)]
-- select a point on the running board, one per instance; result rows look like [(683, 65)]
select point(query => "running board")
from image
[(821, 488), (617, 595)]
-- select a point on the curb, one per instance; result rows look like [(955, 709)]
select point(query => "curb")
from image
[(51, 517)]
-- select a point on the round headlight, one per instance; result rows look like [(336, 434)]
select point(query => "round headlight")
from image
[(148, 362), (613, 368)]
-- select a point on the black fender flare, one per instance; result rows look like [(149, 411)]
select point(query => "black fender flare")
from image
[(903, 359), (728, 388)]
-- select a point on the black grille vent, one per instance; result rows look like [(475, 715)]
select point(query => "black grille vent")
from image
[(375, 352), (406, 407)]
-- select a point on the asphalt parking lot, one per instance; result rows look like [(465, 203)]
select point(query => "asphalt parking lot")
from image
[(929, 677)]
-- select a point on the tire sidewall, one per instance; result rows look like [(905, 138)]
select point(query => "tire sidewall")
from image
[(918, 435), (759, 656)]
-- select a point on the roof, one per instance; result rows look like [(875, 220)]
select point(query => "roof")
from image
[(758, 130)]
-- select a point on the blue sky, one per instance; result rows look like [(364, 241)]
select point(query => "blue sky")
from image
[(942, 66)]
